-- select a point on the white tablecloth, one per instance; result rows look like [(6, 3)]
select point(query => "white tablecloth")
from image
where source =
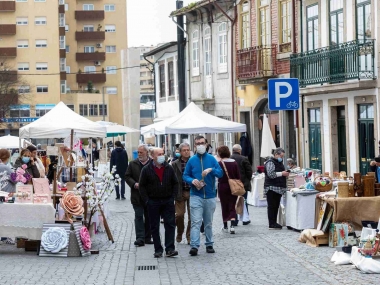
[(300, 211), (366, 265), (255, 197), (25, 219)]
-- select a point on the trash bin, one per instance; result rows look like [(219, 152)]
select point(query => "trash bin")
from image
[(134, 154)]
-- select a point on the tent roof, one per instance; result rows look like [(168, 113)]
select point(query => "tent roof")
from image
[(59, 122), (114, 129), (10, 142), (193, 120)]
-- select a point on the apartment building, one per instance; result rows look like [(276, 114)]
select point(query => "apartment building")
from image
[(338, 71), (66, 50), (265, 37)]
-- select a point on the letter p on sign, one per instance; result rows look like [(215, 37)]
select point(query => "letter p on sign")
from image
[(283, 94)]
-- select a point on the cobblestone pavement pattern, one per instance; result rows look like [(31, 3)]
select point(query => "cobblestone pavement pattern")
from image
[(254, 255)]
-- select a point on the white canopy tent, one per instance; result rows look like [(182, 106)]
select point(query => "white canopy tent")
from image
[(267, 142), (192, 120), (114, 130), (12, 142), (59, 122)]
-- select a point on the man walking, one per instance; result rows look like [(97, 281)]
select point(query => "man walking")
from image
[(183, 197), (119, 158), (143, 234), (158, 187), (200, 172), (245, 176)]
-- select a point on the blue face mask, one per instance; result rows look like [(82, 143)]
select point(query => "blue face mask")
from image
[(177, 154), (279, 159), (25, 159)]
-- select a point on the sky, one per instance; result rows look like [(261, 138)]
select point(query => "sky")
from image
[(149, 22)]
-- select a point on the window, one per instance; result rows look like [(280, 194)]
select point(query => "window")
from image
[(363, 20), (222, 47), (110, 28), (83, 109), (336, 22), (21, 21), (66, 7), (41, 66), (71, 107), (89, 49), (285, 25), (88, 7), (40, 21), (162, 80), (101, 108), (111, 70), (39, 0), (66, 28), (207, 49), (171, 78), (42, 89), (67, 49), (195, 44), (23, 89), (245, 28), (19, 111), (68, 69), (63, 86), (312, 27), (62, 42), (110, 49), (109, 7), (88, 28), (41, 43), (264, 22), (23, 66), (62, 64), (111, 90), (93, 109), (22, 43), (21, 0), (42, 109), (61, 2), (61, 19), (89, 69)]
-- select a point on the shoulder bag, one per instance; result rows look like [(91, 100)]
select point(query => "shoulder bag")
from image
[(236, 186)]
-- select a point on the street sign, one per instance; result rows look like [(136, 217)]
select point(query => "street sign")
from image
[(283, 94)]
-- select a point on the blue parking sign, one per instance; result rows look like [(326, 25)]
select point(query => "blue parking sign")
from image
[(283, 94)]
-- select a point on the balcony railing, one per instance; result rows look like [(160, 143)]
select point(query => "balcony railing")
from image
[(335, 64), (7, 29), (9, 98), (97, 56), (256, 62), (89, 15), (7, 6), (90, 36), (8, 75), (8, 52), (93, 77)]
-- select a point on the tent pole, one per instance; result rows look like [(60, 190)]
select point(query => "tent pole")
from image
[(71, 149)]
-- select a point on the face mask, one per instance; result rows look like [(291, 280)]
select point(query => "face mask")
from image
[(279, 159), (288, 167), (161, 159), (25, 159), (201, 149), (177, 154)]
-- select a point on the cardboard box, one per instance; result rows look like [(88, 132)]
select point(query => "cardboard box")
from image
[(338, 235)]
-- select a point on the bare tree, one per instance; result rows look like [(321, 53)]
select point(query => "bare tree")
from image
[(14, 89)]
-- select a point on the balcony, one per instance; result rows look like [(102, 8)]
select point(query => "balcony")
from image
[(8, 76), (9, 99), (256, 62), (7, 29), (334, 64), (90, 36), (89, 15), (8, 52), (90, 56), (93, 77), (7, 6)]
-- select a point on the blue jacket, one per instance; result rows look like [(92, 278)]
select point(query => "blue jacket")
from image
[(193, 171)]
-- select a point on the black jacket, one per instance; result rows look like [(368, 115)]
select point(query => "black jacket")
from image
[(374, 169), (245, 170), (178, 172), (150, 186), (132, 177), (278, 181), (119, 158), (31, 168)]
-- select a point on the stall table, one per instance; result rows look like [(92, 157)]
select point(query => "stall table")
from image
[(25, 219), (255, 197)]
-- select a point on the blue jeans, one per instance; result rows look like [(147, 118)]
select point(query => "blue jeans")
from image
[(201, 209), (122, 185)]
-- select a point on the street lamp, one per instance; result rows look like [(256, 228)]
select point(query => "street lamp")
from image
[(103, 107)]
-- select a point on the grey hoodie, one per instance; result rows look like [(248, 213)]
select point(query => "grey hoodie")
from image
[(6, 184)]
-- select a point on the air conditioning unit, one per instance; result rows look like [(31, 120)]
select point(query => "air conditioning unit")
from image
[(97, 63), (99, 45)]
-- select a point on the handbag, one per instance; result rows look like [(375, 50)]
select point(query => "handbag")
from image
[(239, 206), (236, 186)]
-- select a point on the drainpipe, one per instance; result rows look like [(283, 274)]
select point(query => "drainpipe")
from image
[(181, 59)]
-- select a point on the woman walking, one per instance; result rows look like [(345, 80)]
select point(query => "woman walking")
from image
[(227, 200)]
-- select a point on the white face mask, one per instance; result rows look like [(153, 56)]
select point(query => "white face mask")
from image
[(201, 149), (161, 159)]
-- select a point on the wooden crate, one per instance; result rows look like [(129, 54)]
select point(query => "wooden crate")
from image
[(32, 245), (322, 239)]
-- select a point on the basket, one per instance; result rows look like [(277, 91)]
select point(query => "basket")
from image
[(321, 188)]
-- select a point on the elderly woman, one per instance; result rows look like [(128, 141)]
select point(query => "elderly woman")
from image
[(291, 164), (275, 185), (26, 158), (6, 183), (227, 200)]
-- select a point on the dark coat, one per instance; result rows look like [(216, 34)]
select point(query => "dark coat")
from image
[(246, 147), (178, 172), (151, 187), (245, 170), (278, 181), (31, 168), (132, 176), (374, 169), (119, 158)]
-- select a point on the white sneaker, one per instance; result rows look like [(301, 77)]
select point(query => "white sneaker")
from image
[(232, 230), (225, 230)]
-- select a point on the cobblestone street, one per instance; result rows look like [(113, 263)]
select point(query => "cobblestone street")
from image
[(254, 255)]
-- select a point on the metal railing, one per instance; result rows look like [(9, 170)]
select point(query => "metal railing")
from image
[(335, 64), (256, 62)]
